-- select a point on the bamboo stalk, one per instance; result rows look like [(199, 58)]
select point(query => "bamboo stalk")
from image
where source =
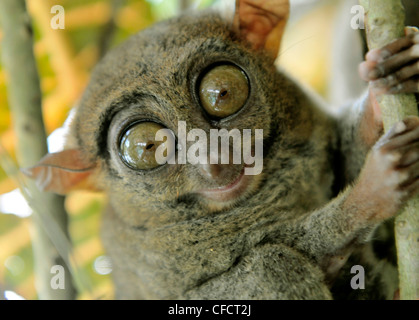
[(25, 101), (384, 23)]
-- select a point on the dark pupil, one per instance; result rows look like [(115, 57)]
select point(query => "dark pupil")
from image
[(223, 93)]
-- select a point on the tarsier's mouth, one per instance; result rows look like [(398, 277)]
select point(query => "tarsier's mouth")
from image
[(231, 191)]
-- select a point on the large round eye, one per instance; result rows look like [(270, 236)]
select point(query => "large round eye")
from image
[(223, 91), (140, 149)]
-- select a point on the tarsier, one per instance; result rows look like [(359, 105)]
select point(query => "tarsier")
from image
[(207, 231)]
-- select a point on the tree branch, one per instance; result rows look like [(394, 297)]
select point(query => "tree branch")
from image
[(384, 23), (25, 101)]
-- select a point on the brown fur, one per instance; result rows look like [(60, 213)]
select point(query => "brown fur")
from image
[(276, 241)]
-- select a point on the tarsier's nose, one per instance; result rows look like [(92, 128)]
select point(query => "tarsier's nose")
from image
[(219, 175), (211, 171), (216, 171)]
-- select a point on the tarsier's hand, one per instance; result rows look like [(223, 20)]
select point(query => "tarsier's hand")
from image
[(391, 172), (395, 67), (392, 69)]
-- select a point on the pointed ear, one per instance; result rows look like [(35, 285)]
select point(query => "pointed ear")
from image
[(62, 172), (262, 23)]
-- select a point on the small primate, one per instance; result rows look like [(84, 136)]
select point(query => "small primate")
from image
[(207, 230)]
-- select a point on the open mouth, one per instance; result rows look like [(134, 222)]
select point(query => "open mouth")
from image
[(230, 191)]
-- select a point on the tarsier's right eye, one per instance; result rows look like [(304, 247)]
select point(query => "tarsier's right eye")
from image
[(138, 145), (223, 90)]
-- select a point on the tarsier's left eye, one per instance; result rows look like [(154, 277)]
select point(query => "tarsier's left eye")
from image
[(223, 90), (138, 145)]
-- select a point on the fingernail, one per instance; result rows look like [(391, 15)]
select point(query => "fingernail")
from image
[(396, 89), (385, 82), (391, 80), (373, 55), (379, 83), (399, 127), (393, 157), (385, 54), (410, 30)]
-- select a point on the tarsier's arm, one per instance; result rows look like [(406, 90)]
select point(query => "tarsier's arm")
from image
[(390, 172)]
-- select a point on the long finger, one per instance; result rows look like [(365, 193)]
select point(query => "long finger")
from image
[(393, 47), (395, 62)]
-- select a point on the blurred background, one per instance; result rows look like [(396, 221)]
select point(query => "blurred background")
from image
[(65, 59)]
